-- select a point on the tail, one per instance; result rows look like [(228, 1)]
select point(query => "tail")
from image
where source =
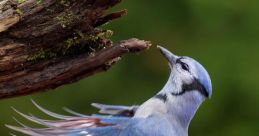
[(76, 124)]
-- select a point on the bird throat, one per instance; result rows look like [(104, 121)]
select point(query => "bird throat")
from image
[(179, 109)]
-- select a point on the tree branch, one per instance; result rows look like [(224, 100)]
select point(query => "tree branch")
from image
[(53, 73), (49, 43)]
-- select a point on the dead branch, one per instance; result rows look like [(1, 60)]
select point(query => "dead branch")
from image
[(48, 43)]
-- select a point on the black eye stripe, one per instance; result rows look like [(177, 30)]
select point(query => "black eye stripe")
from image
[(179, 60), (194, 86), (183, 65)]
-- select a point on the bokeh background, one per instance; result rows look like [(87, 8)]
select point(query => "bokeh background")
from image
[(222, 34)]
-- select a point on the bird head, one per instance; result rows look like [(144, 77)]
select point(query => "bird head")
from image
[(186, 75)]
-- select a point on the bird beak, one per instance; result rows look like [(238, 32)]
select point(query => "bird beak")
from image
[(171, 58)]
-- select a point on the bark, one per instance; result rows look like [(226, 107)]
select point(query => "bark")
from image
[(48, 43)]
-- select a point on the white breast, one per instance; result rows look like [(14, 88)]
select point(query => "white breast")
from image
[(151, 107)]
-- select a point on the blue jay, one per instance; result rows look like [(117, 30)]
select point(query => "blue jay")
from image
[(168, 113)]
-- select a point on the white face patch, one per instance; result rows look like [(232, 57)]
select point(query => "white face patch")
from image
[(184, 71), (188, 75), (199, 73)]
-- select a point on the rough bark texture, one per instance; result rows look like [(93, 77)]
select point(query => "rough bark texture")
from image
[(48, 43)]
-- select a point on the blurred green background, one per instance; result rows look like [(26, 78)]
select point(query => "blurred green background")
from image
[(222, 34)]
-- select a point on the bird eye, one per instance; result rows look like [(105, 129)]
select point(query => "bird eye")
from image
[(185, 66)]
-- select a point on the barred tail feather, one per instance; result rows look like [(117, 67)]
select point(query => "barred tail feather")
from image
[(127, 111)]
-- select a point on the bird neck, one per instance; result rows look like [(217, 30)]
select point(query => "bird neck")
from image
[(180, 109), (170, 102)]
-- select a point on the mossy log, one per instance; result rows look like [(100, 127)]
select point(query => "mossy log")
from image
[(48, 43)]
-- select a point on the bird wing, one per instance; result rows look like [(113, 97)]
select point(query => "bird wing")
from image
[(81, 125), (115, 110)]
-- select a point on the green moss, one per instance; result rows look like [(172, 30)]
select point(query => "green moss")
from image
[(85, 43), (66, 19), (41, 55), (20, 12), (105, 34), (20, 1), (65, 2), (39, 1), (77, 44)]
